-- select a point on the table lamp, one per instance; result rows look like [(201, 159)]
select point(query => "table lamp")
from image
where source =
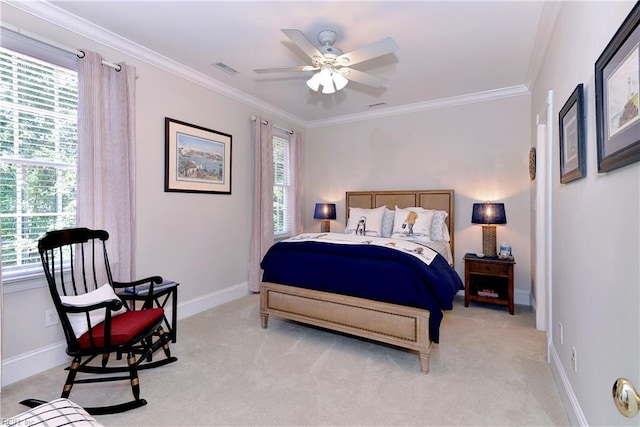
[(325, 212), (488, 214)]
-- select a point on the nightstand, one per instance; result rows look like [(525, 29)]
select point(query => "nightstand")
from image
[(489, 280)]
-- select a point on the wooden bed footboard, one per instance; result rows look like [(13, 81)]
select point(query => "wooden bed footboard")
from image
[(393, 324)]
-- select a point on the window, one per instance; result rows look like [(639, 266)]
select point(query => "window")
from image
[(38, 151), (281, 185)]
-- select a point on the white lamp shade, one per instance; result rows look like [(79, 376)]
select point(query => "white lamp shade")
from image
[(339, 80), (326, 81), (328, 89), (314, 82)]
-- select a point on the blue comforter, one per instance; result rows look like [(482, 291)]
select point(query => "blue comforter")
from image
[(366, 271)]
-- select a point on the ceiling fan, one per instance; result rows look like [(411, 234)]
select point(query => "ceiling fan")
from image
[(333, 66)]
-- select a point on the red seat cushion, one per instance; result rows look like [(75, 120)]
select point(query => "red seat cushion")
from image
[(124, 327)]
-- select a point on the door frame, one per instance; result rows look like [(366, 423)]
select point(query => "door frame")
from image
[(541, 224)]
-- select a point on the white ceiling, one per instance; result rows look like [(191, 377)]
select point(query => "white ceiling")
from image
[(447, 49)]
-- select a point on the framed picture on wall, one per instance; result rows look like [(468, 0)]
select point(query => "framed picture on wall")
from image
[(617, 86), (572, 138), (197, 159)]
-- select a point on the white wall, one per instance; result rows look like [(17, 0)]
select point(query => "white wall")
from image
[(596, 232), (200, 240), (480, 150)]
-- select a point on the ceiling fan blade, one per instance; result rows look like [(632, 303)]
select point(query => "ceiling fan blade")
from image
[(370, 51), (361, 77), (303, 43), (285, 69)]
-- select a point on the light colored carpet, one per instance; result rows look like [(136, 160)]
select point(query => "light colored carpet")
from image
[(489, 369)]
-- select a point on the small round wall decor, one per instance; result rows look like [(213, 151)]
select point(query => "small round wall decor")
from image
[(532, 163)]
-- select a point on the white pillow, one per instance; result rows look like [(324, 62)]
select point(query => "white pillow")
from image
[(438, 226), (387, 223), (369, 220), (414, 222), (445, 233), (79, 320)]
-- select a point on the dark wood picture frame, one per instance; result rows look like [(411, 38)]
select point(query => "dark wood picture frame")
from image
[(617, 78), (197, 159), (572, 137)]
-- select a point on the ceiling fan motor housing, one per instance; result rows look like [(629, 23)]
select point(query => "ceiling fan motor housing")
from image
[(327, 38)]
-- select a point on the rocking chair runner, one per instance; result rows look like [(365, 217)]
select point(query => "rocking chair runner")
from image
[(93, 318)]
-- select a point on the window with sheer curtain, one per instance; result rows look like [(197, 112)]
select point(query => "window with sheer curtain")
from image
[(38, 155), (281, 185)]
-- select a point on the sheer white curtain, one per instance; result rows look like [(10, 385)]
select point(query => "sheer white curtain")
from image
[(262, 222), (106, 157), (295, 154)]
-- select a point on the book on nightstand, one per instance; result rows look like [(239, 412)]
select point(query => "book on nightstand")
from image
[(488, 294)]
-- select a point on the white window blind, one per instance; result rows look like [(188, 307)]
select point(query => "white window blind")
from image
[(281, 186), (38, 151)]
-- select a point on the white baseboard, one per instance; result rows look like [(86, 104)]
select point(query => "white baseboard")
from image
[(521, 297), (214, 299), (569, 399), (33, 362)]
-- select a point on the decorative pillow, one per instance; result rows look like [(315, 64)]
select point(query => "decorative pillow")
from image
[(438, 225), (365, 222), (445, 233), (387, 223), (58, 412), (79, 320), (414, 222)]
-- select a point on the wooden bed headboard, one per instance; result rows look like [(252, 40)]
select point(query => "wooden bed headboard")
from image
[(442, 200)]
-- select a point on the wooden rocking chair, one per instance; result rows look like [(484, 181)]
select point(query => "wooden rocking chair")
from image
[(94, 319)]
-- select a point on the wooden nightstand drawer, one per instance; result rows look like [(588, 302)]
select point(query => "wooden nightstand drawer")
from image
[(480, 267)]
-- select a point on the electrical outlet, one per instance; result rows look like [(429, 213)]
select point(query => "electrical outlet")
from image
[(561, 332), (574, 359), (50, 318)]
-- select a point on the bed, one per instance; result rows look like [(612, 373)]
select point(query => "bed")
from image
[(388, 289)]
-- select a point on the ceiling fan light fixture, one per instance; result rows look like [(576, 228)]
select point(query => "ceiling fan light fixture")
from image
[(329, 78)]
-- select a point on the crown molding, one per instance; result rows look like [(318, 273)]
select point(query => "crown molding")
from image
[(61, 18), (84, 28), (489, 95)]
